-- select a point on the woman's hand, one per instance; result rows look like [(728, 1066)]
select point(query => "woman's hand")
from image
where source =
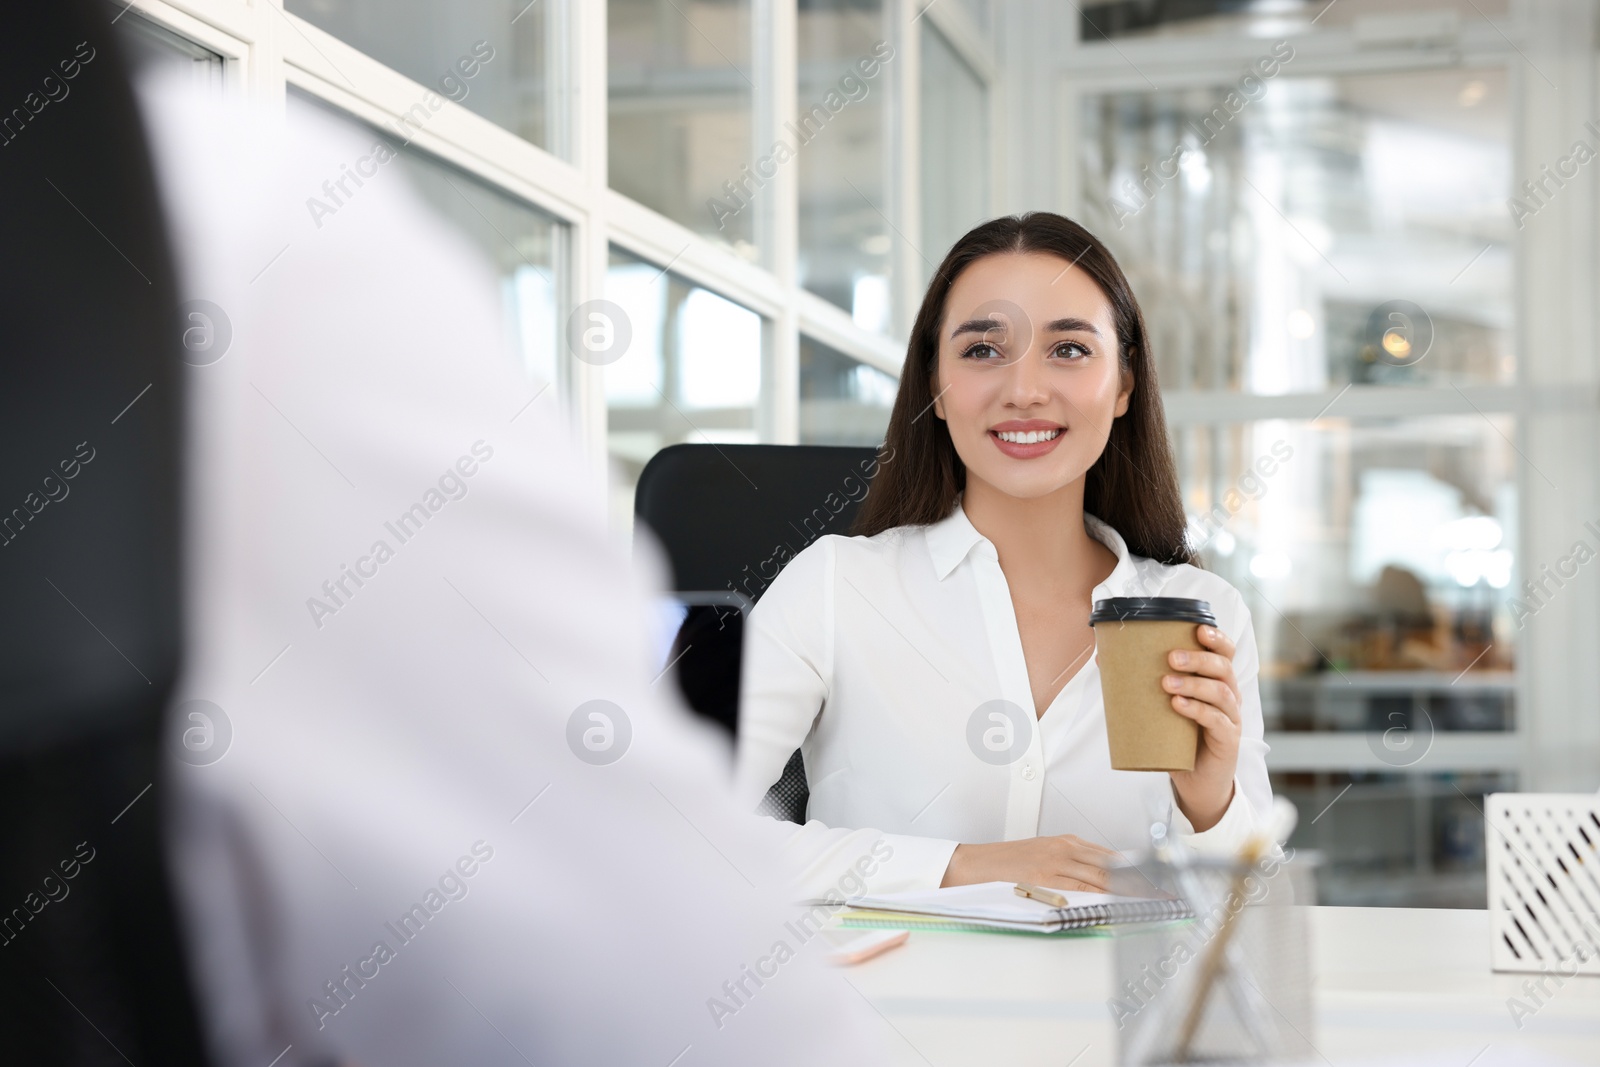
[(1203, 689), (1064, 862)]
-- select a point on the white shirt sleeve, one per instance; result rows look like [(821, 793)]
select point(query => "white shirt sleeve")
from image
[(1252, 789), (785, 682)]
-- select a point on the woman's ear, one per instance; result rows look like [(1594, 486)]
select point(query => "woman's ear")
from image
[(1124, 394), (933, 388)]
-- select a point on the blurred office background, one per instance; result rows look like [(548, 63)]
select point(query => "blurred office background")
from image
[(1376, 342)]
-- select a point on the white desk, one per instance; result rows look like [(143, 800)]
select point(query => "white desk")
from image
[(1389, 982)]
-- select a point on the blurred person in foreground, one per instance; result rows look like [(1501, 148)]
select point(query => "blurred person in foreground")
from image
[(401, 833)]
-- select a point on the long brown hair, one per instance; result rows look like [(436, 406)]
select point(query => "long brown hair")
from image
[(1133, 486)]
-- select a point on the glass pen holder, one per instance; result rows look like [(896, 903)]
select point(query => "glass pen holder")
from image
[(1229, 984)]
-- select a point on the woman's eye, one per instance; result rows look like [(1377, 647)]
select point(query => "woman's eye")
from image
[(985, 352)]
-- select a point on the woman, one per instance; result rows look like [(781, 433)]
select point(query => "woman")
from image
[(1026, 473)]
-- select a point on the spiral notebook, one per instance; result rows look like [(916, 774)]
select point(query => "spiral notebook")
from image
[(996, 906)]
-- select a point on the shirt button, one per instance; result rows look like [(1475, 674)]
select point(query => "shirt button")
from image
[(1028, 772)]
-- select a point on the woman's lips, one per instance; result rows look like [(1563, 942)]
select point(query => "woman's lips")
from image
[(1017, 451)]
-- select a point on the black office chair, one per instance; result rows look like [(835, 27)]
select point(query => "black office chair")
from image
[(91, 970), (723, 514)]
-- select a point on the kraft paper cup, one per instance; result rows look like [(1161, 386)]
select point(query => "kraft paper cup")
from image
[(1132, 637)]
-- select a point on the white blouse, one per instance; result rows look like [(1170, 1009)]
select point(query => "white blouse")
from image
[(876, 657)]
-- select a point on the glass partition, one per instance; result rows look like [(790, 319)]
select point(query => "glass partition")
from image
[(681, 98), (689, 371), (493, 57), (840, 134), (1379, 561), (1362, 546), (521, 243), (955, 148), (1292, 234), (1102, 20), (1399, 840), (150, 47), (842, 400)]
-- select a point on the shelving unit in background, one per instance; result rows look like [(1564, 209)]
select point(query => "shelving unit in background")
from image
[(1408, 796)]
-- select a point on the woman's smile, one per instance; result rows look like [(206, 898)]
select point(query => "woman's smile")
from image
[(1025, 439)]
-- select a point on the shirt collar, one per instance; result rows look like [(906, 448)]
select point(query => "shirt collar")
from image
[(951, 539)]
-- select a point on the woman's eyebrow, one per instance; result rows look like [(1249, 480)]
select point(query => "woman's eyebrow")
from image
[(1067, 325), (978, 326), (1071, 325)]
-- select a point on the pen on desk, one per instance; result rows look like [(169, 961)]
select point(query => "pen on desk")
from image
[(1048, 896)]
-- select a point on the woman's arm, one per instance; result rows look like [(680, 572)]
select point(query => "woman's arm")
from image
[(786, 671), (835, 863), (785, 683)]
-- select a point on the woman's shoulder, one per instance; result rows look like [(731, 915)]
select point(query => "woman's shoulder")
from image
[(885, 542), (818, 560), (884, 545), (881, 543), (814, 562)]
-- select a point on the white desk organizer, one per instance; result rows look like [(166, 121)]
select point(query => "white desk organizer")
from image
[(1544, 881)]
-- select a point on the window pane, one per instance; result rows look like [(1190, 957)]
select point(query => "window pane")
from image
[(691, 370), (1368, 552), (842, 401), (150, 47), (955, 148), (841, 130), (1103, 19), (978, 10), (1395, 840), (1379, 562), (681, 102), (492, 57), (1328, 231), (520, 242)]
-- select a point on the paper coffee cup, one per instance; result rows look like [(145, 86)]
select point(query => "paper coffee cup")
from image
[(1132, 637)]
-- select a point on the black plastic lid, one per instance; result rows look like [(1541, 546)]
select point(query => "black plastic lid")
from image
[(1152, 609)]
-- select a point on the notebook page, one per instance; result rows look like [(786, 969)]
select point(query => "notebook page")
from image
[(996, 901)]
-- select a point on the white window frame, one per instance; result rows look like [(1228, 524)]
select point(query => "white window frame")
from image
[(266, 50)]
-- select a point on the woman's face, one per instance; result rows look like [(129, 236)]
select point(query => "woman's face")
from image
[(1027, 377)]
